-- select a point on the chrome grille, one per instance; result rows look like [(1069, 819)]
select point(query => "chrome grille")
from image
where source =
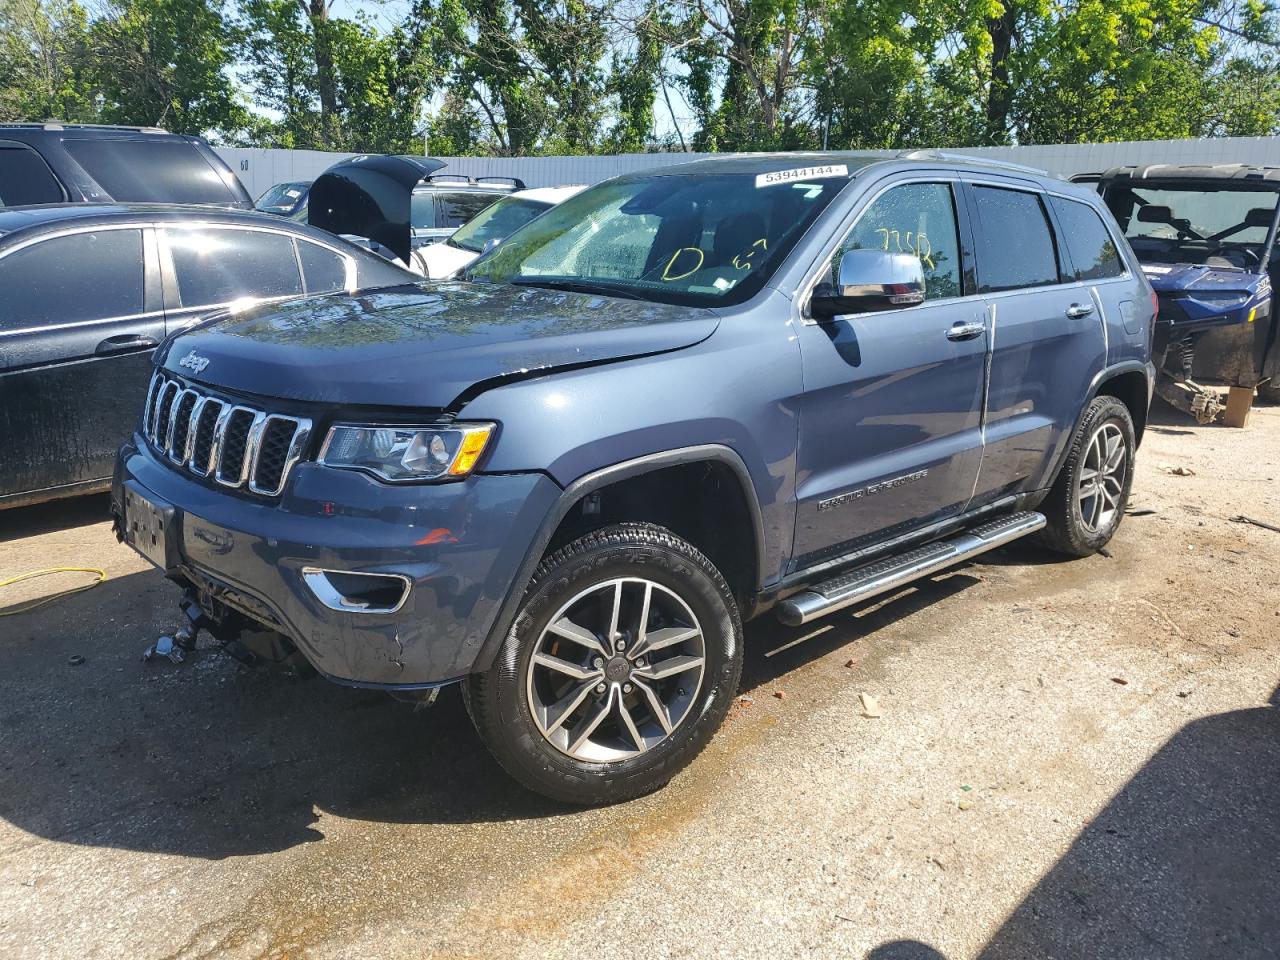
[(236, 445)]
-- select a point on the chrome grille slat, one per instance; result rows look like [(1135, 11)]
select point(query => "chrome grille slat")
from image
[(220, 440)]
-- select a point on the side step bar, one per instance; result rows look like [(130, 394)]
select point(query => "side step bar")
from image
[(893, 572)]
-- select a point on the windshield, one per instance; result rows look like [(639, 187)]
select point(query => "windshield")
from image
[(684, 239), (1194, 223), (281, 198), (496, 222)]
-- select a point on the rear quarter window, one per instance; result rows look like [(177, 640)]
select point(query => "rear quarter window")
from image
[(151, 171), (26, 178), (1088, 241)]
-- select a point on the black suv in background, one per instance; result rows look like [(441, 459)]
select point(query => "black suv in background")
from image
[(82, 163)]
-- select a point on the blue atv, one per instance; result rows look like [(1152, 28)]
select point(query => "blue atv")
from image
[(1206, 238)]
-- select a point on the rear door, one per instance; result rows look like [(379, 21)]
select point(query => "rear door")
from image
[(1047, 337), (890, 421), (81, 317)]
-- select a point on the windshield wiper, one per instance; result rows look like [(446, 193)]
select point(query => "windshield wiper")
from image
[(575, 286)]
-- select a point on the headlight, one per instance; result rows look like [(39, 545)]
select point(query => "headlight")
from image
[(400, 454), (1221, 299)]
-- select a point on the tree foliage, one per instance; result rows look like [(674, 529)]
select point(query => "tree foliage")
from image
[(520, 77)]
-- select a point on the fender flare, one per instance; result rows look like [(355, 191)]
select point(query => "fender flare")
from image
[(1106, 373), (597, 479)]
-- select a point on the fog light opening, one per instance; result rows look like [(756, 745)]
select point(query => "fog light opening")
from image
[(352, 592)]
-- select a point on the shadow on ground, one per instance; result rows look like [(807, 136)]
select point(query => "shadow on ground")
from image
[(21, 522), (1183, 863), (211, 760)]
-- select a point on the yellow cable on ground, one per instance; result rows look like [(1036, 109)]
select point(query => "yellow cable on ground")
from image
[(101, 575)]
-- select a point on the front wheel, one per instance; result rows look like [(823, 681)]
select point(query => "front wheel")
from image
[(1086, 504), (620, 667)]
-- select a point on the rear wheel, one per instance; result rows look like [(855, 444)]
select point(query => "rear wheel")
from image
[(620, 667), (1086, 504)]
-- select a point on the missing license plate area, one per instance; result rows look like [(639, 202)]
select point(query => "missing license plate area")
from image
[(146, 527)]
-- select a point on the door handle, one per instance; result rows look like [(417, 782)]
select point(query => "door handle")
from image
[(966, 330), (1078, 310), (124, 343)]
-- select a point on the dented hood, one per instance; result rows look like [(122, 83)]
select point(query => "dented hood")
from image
[(423, 345)]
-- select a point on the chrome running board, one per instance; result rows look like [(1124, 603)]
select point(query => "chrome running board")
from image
[(882, 576)]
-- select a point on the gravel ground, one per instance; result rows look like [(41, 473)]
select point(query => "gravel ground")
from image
[(1073, 759)]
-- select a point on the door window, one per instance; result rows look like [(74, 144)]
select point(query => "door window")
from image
[(323, 270), (916, 218), (84, 276), (1014, 241), (1093, 251), (26, 178), (218, 266)]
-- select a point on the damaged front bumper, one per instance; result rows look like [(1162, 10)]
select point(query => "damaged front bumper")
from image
[(376, 585)]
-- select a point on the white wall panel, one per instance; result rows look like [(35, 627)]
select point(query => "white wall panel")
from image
[(259, 169)]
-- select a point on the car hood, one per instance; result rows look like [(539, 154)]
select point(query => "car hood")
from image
[(443, 261), (423, 345)]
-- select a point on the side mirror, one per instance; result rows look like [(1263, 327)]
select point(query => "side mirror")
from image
[(870, 280)]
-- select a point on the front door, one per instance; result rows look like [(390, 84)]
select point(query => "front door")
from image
[(890, 420), (76, 336)]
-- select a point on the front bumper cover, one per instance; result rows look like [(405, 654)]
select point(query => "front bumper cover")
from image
[(460, 545)]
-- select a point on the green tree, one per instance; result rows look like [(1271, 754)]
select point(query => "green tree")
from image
[(166, 63), (45, 61)]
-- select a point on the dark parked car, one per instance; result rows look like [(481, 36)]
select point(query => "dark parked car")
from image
[(676, 401), (285, 199), (89, 291), (84, 163), (1206, 237)]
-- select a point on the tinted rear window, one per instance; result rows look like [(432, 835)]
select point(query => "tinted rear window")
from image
[(1015, 245), (25, 178), (159, 171), (1093, 252)]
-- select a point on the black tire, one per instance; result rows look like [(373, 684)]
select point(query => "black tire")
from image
[(1269, 393), (1067, 530), (499, 699)]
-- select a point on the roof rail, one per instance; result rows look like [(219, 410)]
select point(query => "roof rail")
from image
[(515, 181), (61, 125), (970, 158)]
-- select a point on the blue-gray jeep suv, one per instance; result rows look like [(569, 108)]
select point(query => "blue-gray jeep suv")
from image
[(679, 400)]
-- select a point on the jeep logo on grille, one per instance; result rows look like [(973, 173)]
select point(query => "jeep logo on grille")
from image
[(194, 361)]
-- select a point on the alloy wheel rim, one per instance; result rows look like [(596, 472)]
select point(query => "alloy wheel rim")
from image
[(616, 671), (1100, 486)]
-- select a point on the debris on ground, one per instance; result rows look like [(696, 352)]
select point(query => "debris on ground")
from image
[(965, 804), (1241, 518), (75, 659), (780, 694), (850, 662), (870, 706), (1179, 471), (745, 700), (1120, 680)]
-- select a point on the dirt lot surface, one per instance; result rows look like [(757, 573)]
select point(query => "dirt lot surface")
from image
[(1074, 760)]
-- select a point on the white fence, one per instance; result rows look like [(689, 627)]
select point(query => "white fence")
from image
[(259, 169)]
